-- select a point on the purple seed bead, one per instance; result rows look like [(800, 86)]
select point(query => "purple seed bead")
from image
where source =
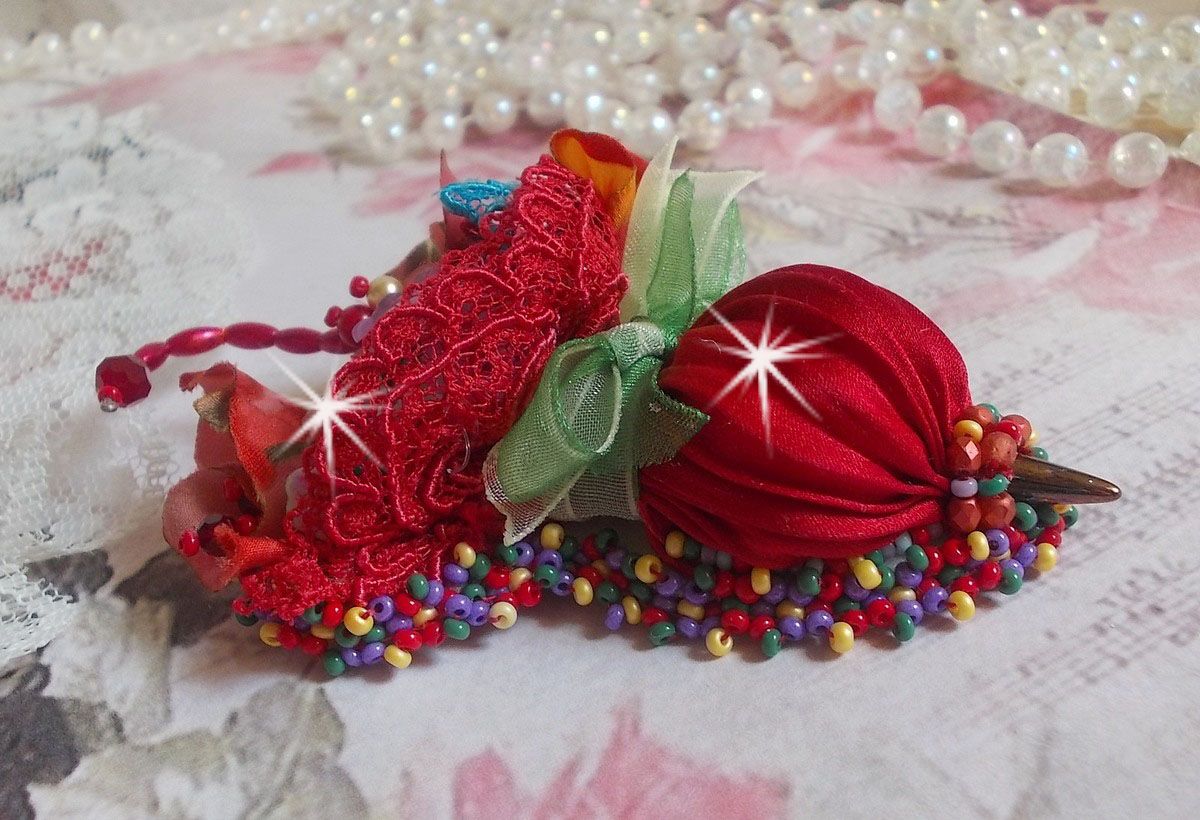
[(454, 575), (997, 542), (551, 557), (458, 606), (437, 591), (709, 624), (382, 608), (708, 555), (964, 487), (371, 653), (907, 576), (669, 585), (791, 627), (777, 592), (562, 587), (1026, 554), (525, 554), (351, 657), (664, 603), (687, 627), (872, 597), (614, 617), (695, 595), (760, 608), (818, 622), (853, 590), (615, 558), (300, 624), (479, 613), (1012, 565), (912, 609), (934, 599), (397, 623), (799, 598)]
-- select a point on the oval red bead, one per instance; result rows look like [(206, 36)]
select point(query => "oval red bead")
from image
[(298, 340), (250, 335), (196, 340)]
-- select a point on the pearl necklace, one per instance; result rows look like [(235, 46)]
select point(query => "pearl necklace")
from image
[(413, 77)]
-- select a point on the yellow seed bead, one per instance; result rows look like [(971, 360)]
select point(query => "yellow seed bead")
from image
[(899, 594), (552, 536), (268, 633), (633, 610), (690, 610), (357, 621), (977, 543), (424, 615), (518, 576), (397, 657), (1061, 508), (1007, 554), (760, 580), (321, 631), (841, 637), (718, 642), (581, 588), (503, 614), (648, 569), (786, 609), (961, 605), (866, 573), (464, 555), (674, 544), (971, 429), (381, 287), (1047, 557), (602, 567), (1031, 440)]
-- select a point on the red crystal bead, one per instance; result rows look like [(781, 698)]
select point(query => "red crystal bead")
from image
[(1009, 428), (122, 380), (963, 514), (963, 456), (997, 511)]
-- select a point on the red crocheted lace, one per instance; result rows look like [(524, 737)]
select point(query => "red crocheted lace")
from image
[(452, 366)]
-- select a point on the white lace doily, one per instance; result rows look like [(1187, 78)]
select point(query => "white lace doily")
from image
[(113, 236)]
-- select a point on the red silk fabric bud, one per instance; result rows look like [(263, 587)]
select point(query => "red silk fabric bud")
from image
[(867, 468)]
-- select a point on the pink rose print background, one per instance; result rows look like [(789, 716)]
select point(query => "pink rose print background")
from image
[(1080, 310)]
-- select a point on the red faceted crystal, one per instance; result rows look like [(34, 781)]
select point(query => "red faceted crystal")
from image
[(124, 379)]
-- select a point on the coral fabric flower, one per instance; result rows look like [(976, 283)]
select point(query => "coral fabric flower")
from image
[(611, 167), (240, 420)]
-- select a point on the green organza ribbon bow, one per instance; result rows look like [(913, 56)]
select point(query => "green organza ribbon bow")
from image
[(598, 414)]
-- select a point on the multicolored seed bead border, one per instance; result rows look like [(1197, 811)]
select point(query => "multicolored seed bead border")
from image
[(924, 573)]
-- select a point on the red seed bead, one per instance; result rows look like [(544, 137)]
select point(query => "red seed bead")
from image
[(955, 552), (409, 640), (831, 588), (619, 581), (588, 547), (760, 625), (298, 340), (529, 593), (196, 340), (433, 633), (289, 638), (331, 342), (331, 613), (359, 285), (736, 621), (1009, 429), (881, 613), (312, 645), (1022, 425), (407, 605), (245, 524), (997, 450), (250, 335), (723, 585), (331, 316), (505, 597), (921, 537), (653, 615), (592, 575), (242, 606), (838, 566), (819, 605), (350, 317), (744, 589), (712, 609), (936, 561), (1052, 537), (989, 575), (857, 620), (189, 543), (497, 577), (965, 584), (927, 583)]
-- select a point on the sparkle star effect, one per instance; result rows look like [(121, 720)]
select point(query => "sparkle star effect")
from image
[(325, 413), (762, 359)]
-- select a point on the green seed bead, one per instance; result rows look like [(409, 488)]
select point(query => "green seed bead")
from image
[(875, 556), (903, 627), (949, 575), (641, 591), (418, 586), (1047, 515), (733, 603), (628, 568), (772, 642), (546, 576), (704, 578), (916, 557), (569, 548), (993, 486), (991, 408), (474, 591), (606, 539), (808, 581), (1071, 516), (1039, 453), (662, 632), (456, 629), (481, 567), (844, 605), (343, 637), (313, 614), (608, 592), (376, 633), (245, 620), (1025, 518), (887, 578), (334, 665), (1010, 582), (691, 549), (508, 553)]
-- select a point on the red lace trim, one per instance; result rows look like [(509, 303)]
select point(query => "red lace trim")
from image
[(453, 365)]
